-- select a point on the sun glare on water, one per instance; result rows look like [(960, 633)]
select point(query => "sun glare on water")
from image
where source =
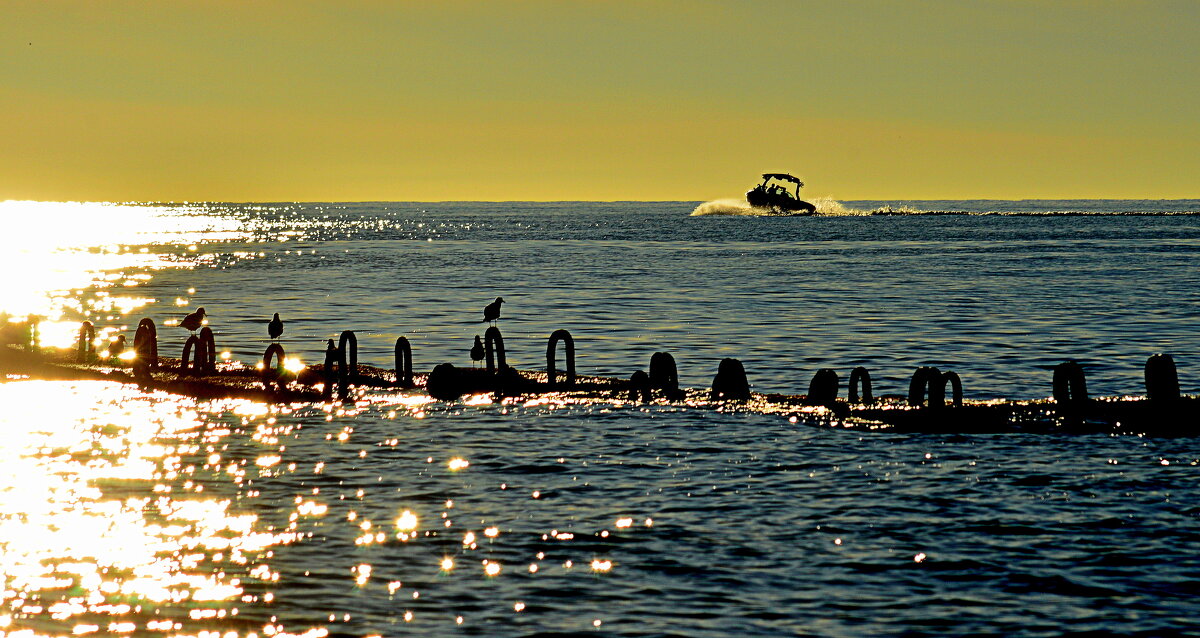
[(104, 515), (79, 260)]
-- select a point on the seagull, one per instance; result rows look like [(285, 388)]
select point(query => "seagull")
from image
[(117, 346), (491, 312), (275, 328), (193, 321), (477, 351)]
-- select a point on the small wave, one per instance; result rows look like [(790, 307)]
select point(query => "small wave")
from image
[(832, 207)]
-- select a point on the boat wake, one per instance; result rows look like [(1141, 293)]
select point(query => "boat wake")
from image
[(728, 207), (826, 206), (829, 207)]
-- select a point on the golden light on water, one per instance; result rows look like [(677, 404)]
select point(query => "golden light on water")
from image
[(407, 521), (104, 515), (87, 259)]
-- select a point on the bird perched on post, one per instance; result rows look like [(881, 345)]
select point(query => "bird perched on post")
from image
[(491, 312), (477, 351), (275, 328), (193, 321)]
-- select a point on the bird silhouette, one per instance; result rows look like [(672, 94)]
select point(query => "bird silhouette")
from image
[(193, 321), (117, 346), (477, 351), (491, 312), (275, 328)]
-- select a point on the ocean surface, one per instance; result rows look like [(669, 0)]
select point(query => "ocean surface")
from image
[(123, 513)]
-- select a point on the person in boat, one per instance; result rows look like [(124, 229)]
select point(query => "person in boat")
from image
[(777, 196)]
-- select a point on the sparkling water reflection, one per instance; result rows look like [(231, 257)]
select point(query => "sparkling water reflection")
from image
[(132, 514), (226, 518)]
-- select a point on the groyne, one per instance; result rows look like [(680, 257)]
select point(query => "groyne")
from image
[(934, 401)]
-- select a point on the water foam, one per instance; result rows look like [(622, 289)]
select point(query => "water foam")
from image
[(826, 206), (728, 207)]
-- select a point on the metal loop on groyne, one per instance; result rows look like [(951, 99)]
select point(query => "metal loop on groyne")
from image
[(955, 382), (145, 345), (87, 338), (1070, 386), (209, 360), (493, 344), (192, 345), (205, 354), (860, 377), (926, 379), (931, 382), (350, 356), (404, 364), (272, 372), (551, 351)]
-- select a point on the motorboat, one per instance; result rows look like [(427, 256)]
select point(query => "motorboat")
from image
[(772, 194)]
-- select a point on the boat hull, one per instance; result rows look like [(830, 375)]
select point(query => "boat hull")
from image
[(779, 203)]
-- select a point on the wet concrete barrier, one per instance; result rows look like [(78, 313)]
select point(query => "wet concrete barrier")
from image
[(664, 375), (640, 387), (730, 384), (1162, 380), (823, 389)]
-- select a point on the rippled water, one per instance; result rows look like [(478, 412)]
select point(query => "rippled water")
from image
[(124, 513)]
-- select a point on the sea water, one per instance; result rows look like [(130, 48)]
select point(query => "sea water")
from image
[(124, 513)]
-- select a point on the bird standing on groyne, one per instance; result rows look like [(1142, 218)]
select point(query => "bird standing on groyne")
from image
[(117, 346), (275, 328), (491, 312), (477, 351), (193, 321)]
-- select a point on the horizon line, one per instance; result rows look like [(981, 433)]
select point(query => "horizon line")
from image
[(189, 202)]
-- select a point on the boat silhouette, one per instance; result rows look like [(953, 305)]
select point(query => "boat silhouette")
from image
[(772, 195)]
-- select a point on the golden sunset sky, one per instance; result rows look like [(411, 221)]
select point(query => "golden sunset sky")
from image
[(263, 100)]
